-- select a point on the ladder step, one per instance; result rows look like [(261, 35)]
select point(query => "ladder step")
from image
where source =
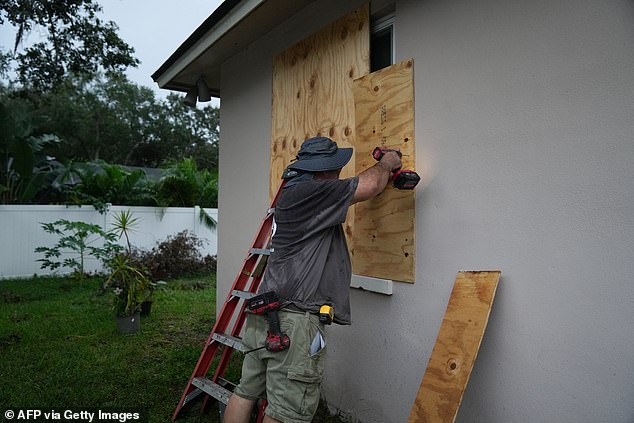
[(245, 295), (195, 393), (230, 341), (261, 251), (212, 389)]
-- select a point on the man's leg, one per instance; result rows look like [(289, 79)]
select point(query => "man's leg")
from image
[(293, 377), (253, 381), (238, 410)]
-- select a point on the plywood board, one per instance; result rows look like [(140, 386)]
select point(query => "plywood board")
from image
[(312, 92), (384, 242), (456, 348), (312, 88)]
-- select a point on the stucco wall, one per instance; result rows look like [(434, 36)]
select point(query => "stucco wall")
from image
[(525, 141)]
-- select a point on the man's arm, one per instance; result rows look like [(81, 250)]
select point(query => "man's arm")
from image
[(373, 181)]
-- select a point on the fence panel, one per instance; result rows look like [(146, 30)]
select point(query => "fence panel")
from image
[(21, 232)]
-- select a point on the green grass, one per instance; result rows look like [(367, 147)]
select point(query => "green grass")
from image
[(59, 348)]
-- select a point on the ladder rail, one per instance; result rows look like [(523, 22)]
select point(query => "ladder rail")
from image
[(256, 253), (237, 328)]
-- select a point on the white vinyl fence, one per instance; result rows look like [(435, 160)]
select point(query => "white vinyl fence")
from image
[(21, 232)]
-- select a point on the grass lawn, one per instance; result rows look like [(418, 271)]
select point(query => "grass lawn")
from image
[(60, 350)]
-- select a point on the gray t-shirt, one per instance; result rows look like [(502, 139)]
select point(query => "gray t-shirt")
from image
[(310, 265)]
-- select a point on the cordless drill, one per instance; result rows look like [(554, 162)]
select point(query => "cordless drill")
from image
[(401, 179), (268, 303)]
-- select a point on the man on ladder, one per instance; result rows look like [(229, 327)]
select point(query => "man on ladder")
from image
[(309, 267)]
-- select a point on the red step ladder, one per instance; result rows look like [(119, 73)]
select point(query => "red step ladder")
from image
[(223, 340)]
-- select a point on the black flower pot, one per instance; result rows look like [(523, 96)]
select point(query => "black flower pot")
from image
[(129, 324), (146, 307)]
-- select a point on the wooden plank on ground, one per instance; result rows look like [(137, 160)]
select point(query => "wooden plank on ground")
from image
[(456, 348), (312, 92), (384, 242)]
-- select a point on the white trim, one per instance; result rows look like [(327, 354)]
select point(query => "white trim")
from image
[(367, 283)]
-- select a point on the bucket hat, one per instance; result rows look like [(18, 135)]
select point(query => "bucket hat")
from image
[(320, 154)]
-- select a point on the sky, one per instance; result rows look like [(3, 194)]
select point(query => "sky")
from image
[(155, 28)]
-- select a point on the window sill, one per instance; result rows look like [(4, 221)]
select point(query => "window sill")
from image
[(366, 283)]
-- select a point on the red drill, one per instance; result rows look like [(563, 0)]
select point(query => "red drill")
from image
[(268, 303), (401, 179)]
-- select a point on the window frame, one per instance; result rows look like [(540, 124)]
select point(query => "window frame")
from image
[(377, 25)]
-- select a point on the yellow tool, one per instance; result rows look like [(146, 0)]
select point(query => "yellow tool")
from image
[(326, 314)]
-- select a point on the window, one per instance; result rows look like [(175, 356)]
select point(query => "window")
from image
[(382, 40)]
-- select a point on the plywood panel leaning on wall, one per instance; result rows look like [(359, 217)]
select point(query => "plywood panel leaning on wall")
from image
[(384, 244), (456, 348), (312, 91)]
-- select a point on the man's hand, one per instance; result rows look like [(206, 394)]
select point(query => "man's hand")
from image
[(392, 159), (373, 181)]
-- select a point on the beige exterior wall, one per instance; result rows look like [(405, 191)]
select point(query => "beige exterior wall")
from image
[(524, 131)]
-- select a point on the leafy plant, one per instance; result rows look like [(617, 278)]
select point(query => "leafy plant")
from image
[(25, 170), (184, 185), (77, 240), (101, 183), (129, 284), (127, 278), (123, 224)]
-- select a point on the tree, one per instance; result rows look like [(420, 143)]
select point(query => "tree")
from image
[(110, 118), (88, 119), (75, 41), (193, 132)]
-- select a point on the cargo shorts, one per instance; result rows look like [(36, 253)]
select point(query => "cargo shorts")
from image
[(289, 380)]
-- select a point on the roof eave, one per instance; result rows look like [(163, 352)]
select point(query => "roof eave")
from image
[(230, 28)]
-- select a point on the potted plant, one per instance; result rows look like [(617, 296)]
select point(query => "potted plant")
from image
[(127, 278), (129, 284), (146, 304)]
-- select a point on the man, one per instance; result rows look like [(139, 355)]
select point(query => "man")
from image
[(308, 267)]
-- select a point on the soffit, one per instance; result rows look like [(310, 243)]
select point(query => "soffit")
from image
[(231, 28)]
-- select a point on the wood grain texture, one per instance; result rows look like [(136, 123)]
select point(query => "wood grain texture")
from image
[(312, 91), (384, 241), (456, 348)]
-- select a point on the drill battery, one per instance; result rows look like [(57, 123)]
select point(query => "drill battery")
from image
[(263, 302)]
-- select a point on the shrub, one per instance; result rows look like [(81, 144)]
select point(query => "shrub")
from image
[(101, 183), (184, 185), (177, 256)]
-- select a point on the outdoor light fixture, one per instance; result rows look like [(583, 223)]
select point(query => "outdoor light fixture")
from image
[(203, 91), (190, 98), (199, 91)]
